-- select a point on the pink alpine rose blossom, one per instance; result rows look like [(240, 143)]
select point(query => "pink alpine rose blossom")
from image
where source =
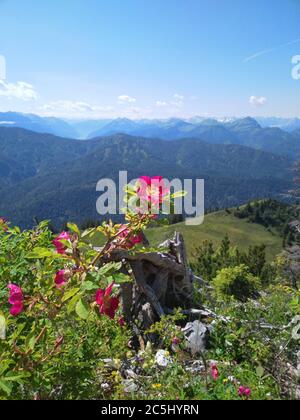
[(131, 239), (152, 190), (214, 371), (16, 299), (16, 309), (108, 304), (60, 278), (60, 247), (244, 392)]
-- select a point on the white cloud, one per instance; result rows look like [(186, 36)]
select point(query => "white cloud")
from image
[(161, 104), (257, 100), (68, 108), (178, 97), (19, 90), (178, 101), (75, 107), (126, 99)]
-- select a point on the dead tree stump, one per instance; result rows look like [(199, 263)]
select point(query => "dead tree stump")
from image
[(162, 282)]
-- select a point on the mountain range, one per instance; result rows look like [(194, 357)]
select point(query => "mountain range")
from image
[(275, 135), (48, 177)]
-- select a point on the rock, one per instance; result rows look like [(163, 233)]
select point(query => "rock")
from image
[(129, 386), (197, 335), (163, 358), (130, 374), (298, 365), (105, 387), (196, 367)]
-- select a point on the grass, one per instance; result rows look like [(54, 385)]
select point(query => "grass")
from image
[(215, 227)]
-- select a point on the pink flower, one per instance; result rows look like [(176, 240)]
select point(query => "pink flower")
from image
[(176, 341), (244, 392), (60, 247), (152, 190), (16, 299), (214, 371), (60, 278), (16, 309), (108, 304), (122, 322), (131, 239)]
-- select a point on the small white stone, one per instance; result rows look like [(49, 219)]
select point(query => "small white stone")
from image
[(130, 386), (105, 387), (162, 358)]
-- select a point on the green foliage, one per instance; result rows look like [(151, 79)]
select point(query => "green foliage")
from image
[(259, 334), (54, 347), (167, 329), (217, 225), (236, 282), (58, 347), (272, 214), (208, 260)]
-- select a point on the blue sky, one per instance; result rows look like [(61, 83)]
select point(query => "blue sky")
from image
[(150, 58)]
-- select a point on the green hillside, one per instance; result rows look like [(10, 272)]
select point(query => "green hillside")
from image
[(241, 232), (216, 225)]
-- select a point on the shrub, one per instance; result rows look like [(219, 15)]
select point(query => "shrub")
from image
[(236, 282)]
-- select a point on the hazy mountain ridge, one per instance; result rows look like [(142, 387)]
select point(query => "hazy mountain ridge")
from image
[(273, 134), (55, 178), (50, 125)]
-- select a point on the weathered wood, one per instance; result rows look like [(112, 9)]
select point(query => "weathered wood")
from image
[(162, 282)]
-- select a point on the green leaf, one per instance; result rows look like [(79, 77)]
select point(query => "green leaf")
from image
[(260, 371), (89, 285), (30, 341), (2, 326), (179, 194), (39, 253), (72, 303), (5, 387), (68, 295), (82, 309), (88, 232), (73, 228), (16, 378), (120, 278), (109, 267)]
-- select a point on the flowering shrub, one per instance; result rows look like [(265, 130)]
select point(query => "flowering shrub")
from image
[(63, 334), (60, 305)]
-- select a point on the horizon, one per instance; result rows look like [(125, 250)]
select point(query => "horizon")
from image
[(221, 119), (94, 60)]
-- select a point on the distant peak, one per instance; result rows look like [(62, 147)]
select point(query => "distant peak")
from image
[(250, 121), (246, 123)]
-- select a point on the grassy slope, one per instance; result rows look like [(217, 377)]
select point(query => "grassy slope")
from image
[(215, 226)]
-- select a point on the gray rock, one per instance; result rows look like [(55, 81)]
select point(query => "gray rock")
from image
[(129, 386), (196, 367), (162, 358), (197, 336)]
